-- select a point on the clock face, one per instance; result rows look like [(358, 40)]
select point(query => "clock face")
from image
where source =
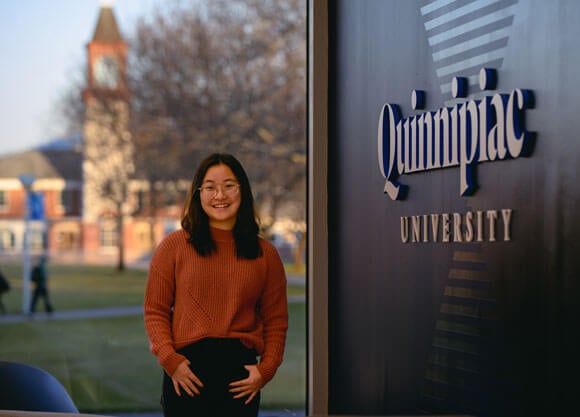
[(106, 71)]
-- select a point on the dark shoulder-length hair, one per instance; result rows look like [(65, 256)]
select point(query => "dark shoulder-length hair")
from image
[(196, 222)]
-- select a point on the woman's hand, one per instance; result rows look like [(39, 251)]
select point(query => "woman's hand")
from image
[(249, 386), (184, 378)]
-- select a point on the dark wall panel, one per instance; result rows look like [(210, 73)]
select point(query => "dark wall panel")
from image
[(490, 327)]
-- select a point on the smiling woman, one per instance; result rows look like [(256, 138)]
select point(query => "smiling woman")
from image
[(216, 300), (220, 197)]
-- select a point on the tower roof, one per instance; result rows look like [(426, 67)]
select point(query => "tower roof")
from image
[(107, 29)]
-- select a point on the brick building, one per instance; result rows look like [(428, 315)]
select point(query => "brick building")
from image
[(80, 223)]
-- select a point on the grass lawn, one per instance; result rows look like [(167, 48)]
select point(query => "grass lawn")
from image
[(105, 364)]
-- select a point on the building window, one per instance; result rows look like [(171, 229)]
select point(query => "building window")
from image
[(67, 240), (142, 241), (7, 240), (170, 196), (109, 235), (140, 206), (66, 201), (3, 201), (37, 239)]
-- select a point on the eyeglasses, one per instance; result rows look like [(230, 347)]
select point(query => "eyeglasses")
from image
[(211, 190)]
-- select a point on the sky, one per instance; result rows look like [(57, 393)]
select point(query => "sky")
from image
[(43, 50)]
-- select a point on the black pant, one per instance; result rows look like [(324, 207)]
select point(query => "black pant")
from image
[(216, 362), (41, 292)]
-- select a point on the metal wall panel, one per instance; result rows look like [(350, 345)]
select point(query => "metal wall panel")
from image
[(483, 327)]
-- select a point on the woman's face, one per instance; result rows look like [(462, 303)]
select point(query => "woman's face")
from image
[(220, 197)]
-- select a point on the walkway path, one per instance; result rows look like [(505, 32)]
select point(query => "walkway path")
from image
[(105, 312)]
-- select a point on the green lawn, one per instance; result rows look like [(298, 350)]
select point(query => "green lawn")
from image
[(105, 364)]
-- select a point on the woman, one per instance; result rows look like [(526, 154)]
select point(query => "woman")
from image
[(216, 299)]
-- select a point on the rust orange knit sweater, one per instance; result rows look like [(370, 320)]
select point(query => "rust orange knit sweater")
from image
[(215, 296)]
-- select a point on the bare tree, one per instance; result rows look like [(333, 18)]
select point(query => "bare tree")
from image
[(226, 77)]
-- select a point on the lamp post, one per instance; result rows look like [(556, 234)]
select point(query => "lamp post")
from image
[(26, 180)]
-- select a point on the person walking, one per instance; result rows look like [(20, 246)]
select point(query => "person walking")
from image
[(4, 288), (215, 307), (39, 278)]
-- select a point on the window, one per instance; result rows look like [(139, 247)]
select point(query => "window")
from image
[(3, 201), (37, 239), (6, 239), (140, 202), (66, 201), (141, 233), (170, 195), (67, 240), (109, 235)]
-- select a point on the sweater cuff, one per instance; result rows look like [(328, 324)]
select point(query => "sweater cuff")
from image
[(171, 361), (267, 371)]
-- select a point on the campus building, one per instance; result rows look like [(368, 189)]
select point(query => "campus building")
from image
[(77, 220), (94, 192)]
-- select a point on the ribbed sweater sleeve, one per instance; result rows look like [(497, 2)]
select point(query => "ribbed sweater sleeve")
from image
[(159, 300), (273, 310), (189, 297)]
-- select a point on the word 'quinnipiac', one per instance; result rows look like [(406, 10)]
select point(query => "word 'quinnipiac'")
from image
[(474, 131)]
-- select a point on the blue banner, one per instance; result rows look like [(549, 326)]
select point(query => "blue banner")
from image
[(36, 206)]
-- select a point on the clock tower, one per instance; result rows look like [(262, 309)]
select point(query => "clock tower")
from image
[(107, 56), (108, 148)]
